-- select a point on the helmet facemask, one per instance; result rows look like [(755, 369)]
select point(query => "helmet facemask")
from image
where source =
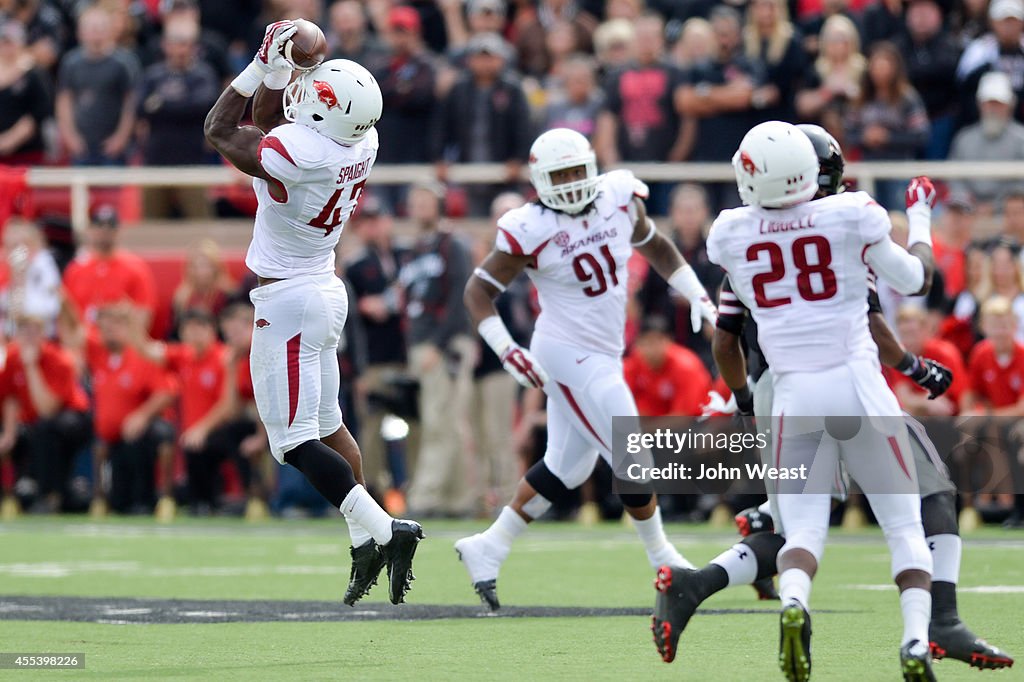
[(568, 197)]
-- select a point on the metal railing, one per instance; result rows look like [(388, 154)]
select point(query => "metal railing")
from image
[(81, 179)]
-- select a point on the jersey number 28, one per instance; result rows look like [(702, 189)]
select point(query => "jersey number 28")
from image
[(810, 288)]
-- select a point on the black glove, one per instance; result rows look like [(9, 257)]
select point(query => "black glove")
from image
[(928, 374)]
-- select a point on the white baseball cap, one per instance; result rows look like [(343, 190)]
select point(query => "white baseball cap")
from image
[(995, 86), (1006, 9)]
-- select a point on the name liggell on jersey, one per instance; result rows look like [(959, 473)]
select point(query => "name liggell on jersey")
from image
[(597, 237), (776, 226), (353, 172)]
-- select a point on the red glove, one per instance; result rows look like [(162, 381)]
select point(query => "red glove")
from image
[(920, 191)]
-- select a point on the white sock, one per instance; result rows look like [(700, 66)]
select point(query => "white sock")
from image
[(795, 584), (946, 550), (659, 550), (506, 528), (739, 563), (360, 536), (364, 510), (916, 605)]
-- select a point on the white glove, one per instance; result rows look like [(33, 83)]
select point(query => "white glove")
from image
[(270, 56), (716, 404), (520, 363), (517, 361), (920, 200), (684, 280), (269, 65)]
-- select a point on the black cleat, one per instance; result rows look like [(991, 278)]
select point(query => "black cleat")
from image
[(795, 642), (679, 595), (367, 562), (916, 667), (398, 553), (487, 590), (752, 520), (952, 639), (765, 588)]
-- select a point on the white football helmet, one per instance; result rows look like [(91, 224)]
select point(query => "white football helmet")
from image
[(557, 149), (776, 166), (339, 99)]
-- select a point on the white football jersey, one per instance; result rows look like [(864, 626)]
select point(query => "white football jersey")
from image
[(302, 211), (579, 265), (801, 273)]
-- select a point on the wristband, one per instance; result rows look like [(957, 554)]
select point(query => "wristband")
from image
[(919, 225), (494, 332), (908, 365), (245, 83), (277, 79), (684, 280)]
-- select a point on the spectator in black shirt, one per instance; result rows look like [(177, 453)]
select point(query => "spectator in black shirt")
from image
[(833, 85), (373, 276), (931, 55), (442, 352), (770, 37), (211, 46), (484, 118), (46, 36), (883, 21), (175, 96), (1002, 49), (407, 85), (24, 100)]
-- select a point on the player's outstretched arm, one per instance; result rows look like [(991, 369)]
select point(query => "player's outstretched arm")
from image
[(240, 144), (666, 260), (487, 281), (909, 273)]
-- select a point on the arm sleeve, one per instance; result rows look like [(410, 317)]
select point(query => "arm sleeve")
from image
[(897, 267), (732, 314)]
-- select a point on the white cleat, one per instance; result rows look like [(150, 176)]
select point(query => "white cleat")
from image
[(483, 561)]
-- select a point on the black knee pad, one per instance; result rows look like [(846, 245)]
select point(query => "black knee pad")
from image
[(635, 500), (765, 547), (328, 471), (938, 514), (547, 485)]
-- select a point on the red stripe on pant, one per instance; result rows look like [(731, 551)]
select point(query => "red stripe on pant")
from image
[(899, 455), (294, 344), (579, 413)]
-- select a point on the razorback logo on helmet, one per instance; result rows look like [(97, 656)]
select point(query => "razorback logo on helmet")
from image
[(748, 164), (262, 323), (326, 94), (533, 158)]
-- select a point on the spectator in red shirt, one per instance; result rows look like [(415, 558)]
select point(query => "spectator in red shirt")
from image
[(996, 365), (45, 412), (912, 327), (666, 378), (210, 428), (130, 394), (106, 274)]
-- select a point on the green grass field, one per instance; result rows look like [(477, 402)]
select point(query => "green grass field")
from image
[(553, 565)]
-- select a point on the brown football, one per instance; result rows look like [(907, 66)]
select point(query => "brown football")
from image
[(308, 47)]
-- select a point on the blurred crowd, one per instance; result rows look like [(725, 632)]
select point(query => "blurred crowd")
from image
[(111, 82), (95, 411)]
